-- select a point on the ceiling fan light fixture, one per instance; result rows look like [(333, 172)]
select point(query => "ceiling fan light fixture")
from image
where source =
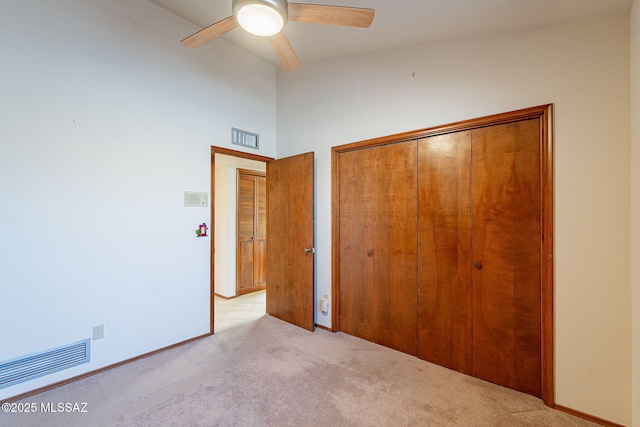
[(266, 18), (261, 17)]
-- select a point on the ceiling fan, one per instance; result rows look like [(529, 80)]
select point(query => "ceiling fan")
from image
[(267, 18)]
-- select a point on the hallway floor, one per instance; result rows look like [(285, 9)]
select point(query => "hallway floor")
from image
[(235, 311)]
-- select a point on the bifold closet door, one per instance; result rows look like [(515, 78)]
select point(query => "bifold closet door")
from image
[(246, 232), (444, 251), (446, 246), (378, 245), (395, 245), (356, 243), (479, 297), (506, 250), (261, 234), (252, 233)]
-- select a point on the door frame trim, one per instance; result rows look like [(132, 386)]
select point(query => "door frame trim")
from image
[(545, 115), (234, 153)]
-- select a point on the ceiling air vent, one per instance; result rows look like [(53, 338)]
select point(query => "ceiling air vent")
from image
[(244, 138), (46, 362)]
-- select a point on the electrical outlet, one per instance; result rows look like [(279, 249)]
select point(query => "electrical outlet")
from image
[(324, 306)]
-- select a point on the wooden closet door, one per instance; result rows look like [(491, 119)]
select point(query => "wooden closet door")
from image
[(356, 243), (260, 260), (444, 251), (395, 245), (507, 255), (246, 243)]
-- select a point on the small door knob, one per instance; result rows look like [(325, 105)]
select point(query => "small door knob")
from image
[(478, 266), (308, 251), (370, 253)]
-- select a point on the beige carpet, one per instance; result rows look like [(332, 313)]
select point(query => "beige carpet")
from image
[(269, 373)]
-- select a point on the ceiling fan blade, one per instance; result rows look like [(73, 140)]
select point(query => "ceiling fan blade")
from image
[(211, 32), (284, 51), (334, 15)]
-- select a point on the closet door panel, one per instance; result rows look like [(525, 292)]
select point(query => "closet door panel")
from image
[(506, 255), (395, 245), (245, 257), (444, 252), (356, 243), (261, 235)]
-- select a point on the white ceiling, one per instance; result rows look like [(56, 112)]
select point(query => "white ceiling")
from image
[(399, 23)]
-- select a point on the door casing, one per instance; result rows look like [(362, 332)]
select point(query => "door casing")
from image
[(292, 162), (233, 153)]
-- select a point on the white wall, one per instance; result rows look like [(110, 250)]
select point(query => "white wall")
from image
[(583, 68), (226, 195), (105, 120), (635, 203)]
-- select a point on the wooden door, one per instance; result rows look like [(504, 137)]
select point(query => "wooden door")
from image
[(260, 260), (356, 243), (506, 250), (251, 231), (485, 229), (444, 251), (395, 245), (290, 240)]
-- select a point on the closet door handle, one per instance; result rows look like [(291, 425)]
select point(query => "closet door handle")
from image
[(478, 266), (370, 253)]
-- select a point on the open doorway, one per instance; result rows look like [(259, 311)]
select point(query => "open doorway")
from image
[(228, 306)]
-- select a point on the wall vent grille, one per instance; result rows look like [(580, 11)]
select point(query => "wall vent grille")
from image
[(36, 365), (244, 138)]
